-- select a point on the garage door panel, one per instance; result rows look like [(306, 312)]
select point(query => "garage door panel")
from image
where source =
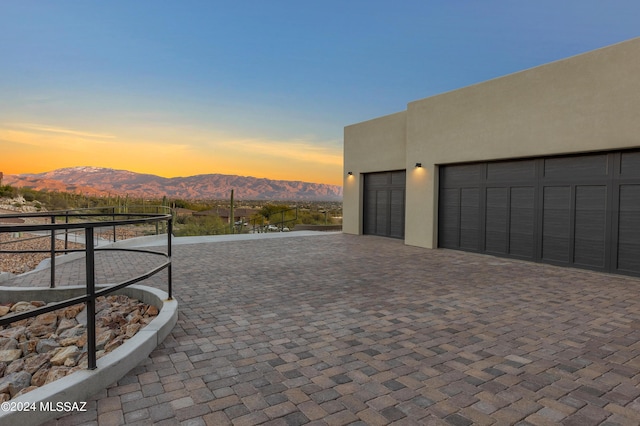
[(461, 174), (522, 222), (374, 180), (370, 212), (586, 166), (629, 229), (397, 213), (382, 214), (556, 221), (398, 178), (590, 226), (496, 220), (630, 164), (511, 171), (449, 224), (469, 220)]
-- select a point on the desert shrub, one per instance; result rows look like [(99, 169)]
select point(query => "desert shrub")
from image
[(28, 196), (8, 191), (201, 225)]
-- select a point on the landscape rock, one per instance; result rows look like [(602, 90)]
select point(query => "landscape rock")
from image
[(48, 318), (8, 343), (73, 332), (83, 360), (35, 362), (132, 329), (81, 318), (44, 325), (61, 355), (40, 350), (29, 346), (15, 366), (25, 390), (115, 320), (114, 343), (14, 382), (22, 307), (9, 355), (134, 318), (79, 341), (76, 336), (102, 304), (66, 324), (13, 332), (56, 373), (72, 311), (39, 378), (4, 310), (103, 338), (46, 345)]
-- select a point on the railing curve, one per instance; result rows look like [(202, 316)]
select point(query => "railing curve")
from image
[(86, 220)]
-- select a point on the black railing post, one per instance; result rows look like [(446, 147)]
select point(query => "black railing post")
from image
[(52, 280), (169, 274), (113, 215), (157, 224), (91, 298), (66, 231)]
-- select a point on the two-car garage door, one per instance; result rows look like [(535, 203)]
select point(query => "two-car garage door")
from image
[(581, 211), (384, 199)]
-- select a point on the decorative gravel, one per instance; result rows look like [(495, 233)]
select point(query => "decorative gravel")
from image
[(24, 262)]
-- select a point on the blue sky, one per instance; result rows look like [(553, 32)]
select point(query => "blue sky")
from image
[(259, 88)]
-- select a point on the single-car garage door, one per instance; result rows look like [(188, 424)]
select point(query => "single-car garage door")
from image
[(384, 195), (581, 210)]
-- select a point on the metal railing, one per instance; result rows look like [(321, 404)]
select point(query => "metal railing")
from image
[(87, 222)]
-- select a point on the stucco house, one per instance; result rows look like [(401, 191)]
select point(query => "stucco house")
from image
[(541, 165)]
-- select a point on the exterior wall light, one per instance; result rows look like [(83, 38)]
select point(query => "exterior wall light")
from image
[(418, 164), (350, 173)]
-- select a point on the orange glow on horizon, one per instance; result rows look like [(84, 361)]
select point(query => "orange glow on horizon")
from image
[(43, 149)]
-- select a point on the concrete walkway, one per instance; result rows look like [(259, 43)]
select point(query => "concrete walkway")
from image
[(340, 329)]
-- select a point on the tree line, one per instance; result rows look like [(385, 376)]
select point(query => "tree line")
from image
[(267, 212)]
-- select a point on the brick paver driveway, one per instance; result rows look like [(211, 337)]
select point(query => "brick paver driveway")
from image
[(340, 329)]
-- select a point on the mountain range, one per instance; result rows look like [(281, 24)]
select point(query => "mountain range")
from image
[(104, 181)]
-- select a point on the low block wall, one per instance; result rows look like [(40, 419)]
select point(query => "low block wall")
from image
[(318, 228)]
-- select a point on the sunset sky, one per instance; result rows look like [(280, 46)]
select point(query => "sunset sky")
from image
[(255, 88)]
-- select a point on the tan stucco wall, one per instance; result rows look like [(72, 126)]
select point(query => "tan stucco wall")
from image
[(373, 146), (588, 102)]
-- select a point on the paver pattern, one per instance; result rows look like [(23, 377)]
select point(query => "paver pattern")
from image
[(341, 329)]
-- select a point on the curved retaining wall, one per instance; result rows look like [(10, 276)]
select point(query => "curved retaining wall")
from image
[(81, 385)]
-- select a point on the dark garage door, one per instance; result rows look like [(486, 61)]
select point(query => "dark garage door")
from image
[(581, 211), (384, 204)]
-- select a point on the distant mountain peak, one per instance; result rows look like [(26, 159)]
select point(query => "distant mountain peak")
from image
[(102, 181)]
